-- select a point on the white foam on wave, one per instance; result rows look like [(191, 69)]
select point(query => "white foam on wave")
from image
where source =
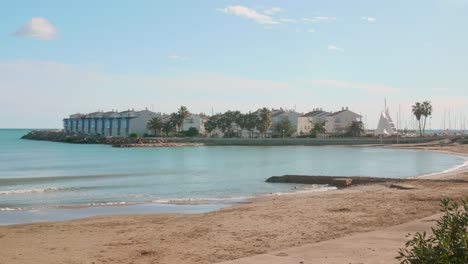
[(449, 170), (209, 200), (7, 209), (109, 204), (36, 190), (199, 200), (314, 188)]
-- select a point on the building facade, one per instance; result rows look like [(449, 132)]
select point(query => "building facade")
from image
[(306, 122), (196, 121), (340, 121), (113, 124)]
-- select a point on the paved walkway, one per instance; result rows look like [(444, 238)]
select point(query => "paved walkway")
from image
[(373, 247)]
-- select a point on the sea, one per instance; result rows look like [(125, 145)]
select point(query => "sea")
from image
[(49, 181)]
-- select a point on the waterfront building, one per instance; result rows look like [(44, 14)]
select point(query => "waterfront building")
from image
[(340, 121), (113, 123), (196, 121), (306, 122), (278, 115)]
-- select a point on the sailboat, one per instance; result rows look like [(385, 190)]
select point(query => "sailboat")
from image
[(386, 127)]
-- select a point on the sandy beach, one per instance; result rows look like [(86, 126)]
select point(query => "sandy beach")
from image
[(259, 226)]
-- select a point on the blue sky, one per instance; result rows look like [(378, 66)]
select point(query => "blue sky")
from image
[(61, 57)]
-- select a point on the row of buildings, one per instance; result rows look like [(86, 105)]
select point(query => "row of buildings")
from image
[(123, 124)]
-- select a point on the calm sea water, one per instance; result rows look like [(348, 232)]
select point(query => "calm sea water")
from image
[(36, 174)]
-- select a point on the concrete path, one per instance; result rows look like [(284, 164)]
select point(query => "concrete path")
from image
[(373, 247)]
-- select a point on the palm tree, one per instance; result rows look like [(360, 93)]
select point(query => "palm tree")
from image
[(356, 128), (168, 126), (264, 121), (182, 113), (154, 124), (225, 123), (318, 128), (251, 122), (426, 112), (174, 120), (418, 112), (239, 121), (212, 123), (284, 128)]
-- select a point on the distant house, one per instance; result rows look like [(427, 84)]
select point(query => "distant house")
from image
[(113, 123), (196, 121), (341, 120), (306, 122), (278, 115)]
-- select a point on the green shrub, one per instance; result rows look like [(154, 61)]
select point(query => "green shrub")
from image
[(447, 245), (191, 132), (133, 135)]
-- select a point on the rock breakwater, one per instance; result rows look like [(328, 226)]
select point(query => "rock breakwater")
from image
[(74, 138)]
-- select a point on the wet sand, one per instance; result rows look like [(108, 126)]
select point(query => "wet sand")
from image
[(263, 225)]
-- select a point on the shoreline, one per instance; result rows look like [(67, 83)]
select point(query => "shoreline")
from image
[(177, 205), (265, 224), (228, 202), (77, 138)]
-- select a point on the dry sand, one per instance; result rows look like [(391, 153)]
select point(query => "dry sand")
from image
[(265, 224)]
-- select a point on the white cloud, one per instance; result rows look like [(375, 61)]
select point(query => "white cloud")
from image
[(249, 14), (273, 10), (372, 88), (335, 48), (311, 30), (176, 57), (369, 19), (288, 20), (318, 19), (37, 27), (49, 85)]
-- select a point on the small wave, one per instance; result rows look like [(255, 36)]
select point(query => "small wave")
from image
[(199, 200), (38, 180), (8, 209), (37, 190), (109, 204), (454, 168), (314, 188)]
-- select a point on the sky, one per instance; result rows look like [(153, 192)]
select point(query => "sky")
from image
[(62, 57)]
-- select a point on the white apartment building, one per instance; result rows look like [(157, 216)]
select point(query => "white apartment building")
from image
[(278, 115), (341, 120), (306, 122), (117, 124), (196, 121)]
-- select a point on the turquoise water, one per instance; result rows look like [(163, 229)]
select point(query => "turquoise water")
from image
[(37, 174)]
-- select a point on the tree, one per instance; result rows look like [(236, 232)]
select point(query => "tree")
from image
[(449, 241), (212, 123), (284, 128), (225, 123), (174, 120), (264, 121), (182, 113), (191, 132), (154, 124), (426, 112), (251, 122), (170, 124), (239, 119), (356, 129), (318, 128), (417, 110)]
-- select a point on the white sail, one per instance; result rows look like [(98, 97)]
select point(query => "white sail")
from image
[(385, 126)]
